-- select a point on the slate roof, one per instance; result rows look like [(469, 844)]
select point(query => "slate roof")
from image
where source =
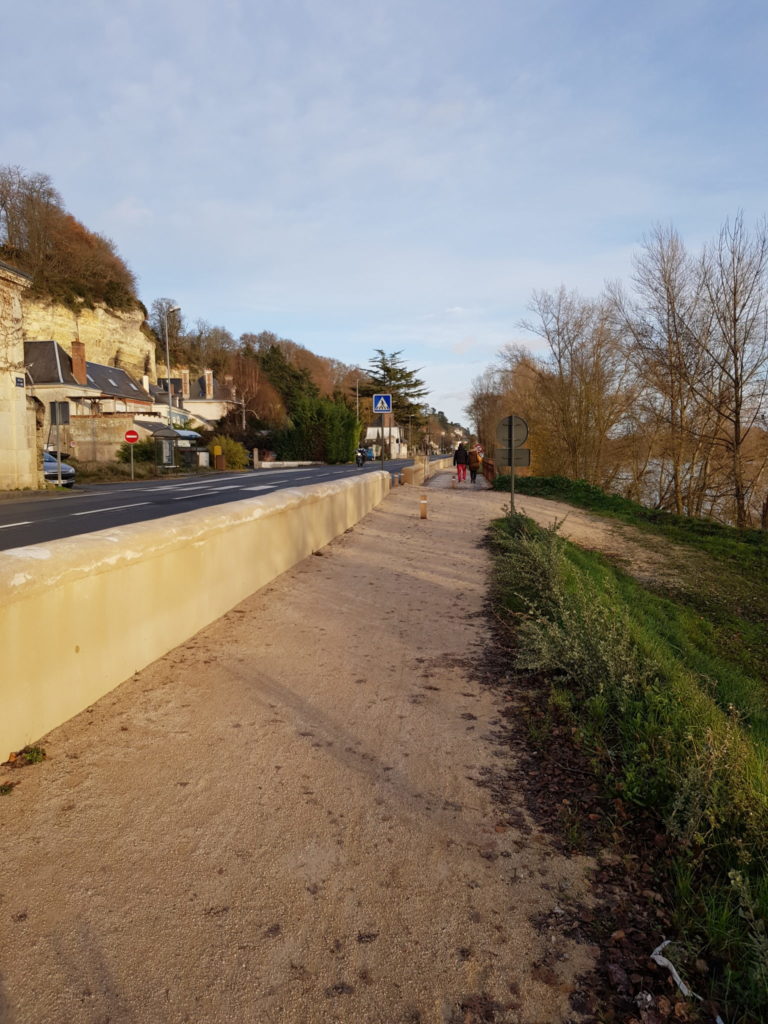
[(117, 383), (221, 393), (161, 388), (15, 270), (48, 363)]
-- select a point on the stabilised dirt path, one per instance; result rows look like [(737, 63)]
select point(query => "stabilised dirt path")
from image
[(283, 820)]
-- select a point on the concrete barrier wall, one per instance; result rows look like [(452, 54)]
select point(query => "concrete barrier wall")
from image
[(81, 615), (422, 469)]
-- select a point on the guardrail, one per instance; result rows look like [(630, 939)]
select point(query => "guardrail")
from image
[(82, 614), (489, 470)]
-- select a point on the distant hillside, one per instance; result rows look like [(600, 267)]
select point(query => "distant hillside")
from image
[(69, 263)]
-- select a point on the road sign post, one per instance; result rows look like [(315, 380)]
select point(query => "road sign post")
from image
[(511, 433), (131, 436), (382, 404)]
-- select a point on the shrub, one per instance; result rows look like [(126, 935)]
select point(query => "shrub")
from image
[(143, 451), (235, 455)]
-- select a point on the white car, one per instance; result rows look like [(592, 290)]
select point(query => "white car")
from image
[(51, 471)]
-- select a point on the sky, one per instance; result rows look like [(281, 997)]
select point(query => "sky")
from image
[(400, 175)]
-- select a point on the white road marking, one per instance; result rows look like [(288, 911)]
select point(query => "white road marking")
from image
[(201, 494), (262, 487), (7, 526), (178, 487), (113, 508)]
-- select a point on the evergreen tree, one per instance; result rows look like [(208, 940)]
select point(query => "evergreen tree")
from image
[(388, 374)]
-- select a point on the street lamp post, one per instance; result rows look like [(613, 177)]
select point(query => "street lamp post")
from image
[(172, 309)]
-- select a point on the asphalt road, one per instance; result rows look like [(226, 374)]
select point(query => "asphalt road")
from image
[(90, 507)]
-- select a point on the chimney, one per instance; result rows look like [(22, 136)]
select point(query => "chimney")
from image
[(185, 383), (79, 371), (208, 380)]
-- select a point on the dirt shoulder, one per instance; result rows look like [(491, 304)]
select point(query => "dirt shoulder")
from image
[(651, 559)]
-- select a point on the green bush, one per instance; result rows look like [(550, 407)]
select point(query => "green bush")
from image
[(143, 451), (235, 455)]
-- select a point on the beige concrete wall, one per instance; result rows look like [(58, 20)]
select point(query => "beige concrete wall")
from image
[(422, 469), (106, 333), (80, 615), (19, 457)]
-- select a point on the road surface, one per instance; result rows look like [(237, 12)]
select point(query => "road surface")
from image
[(86, 508)]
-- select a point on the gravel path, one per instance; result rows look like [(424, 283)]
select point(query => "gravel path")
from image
[(280, 821)]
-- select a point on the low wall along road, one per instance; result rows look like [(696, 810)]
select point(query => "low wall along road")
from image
[(81, 615)]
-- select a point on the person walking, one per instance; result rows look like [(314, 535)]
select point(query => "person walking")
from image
[(473, 461), (460, 457)]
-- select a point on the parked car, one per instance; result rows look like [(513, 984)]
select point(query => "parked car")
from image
[(51, 471)]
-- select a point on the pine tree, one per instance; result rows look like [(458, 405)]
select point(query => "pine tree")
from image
[(388, 374)]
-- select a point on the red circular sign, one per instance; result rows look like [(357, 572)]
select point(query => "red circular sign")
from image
[(131, 436)]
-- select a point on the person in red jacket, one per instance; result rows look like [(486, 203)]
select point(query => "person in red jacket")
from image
[(460, 459)]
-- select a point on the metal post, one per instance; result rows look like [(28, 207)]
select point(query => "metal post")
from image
[(511, 429), (173, 309), (58, 446)]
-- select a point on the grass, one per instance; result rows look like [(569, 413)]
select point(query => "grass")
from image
[(674, 719), (118, 472), (745, 549)]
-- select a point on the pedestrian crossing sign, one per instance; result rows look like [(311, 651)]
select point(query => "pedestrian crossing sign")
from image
[(382, 403)]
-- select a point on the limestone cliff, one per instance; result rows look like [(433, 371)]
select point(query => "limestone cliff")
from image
[(111, 337)]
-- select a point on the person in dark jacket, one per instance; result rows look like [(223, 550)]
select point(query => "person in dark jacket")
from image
[(460, 458), (473, 461)]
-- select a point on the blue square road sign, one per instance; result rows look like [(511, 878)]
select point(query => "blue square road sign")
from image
[(382, 403)]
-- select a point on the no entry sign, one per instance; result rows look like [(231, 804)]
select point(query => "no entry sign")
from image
[(131, 436)]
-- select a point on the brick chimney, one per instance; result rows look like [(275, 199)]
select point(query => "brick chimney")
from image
[(185, 383), (208, 383), (79, 371)]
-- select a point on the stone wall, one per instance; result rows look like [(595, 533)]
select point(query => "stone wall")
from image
[(19, 454), (97, 438), (106, 334)]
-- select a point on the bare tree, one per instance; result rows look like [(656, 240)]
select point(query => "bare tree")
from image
[(660, 325), (166, 311), (734, 273), (586, 386)]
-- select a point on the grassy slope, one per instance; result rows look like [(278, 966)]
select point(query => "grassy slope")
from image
[(669, 691)]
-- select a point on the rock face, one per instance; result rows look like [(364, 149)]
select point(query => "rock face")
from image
[(18, 449), (111, 337)]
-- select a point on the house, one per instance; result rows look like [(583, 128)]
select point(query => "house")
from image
[(392, 435), (201, 400), (100, 401)]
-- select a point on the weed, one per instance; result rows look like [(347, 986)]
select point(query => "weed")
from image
[(30, 755), (6, 787)]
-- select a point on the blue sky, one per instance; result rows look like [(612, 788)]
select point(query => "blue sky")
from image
[(398, 175)]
